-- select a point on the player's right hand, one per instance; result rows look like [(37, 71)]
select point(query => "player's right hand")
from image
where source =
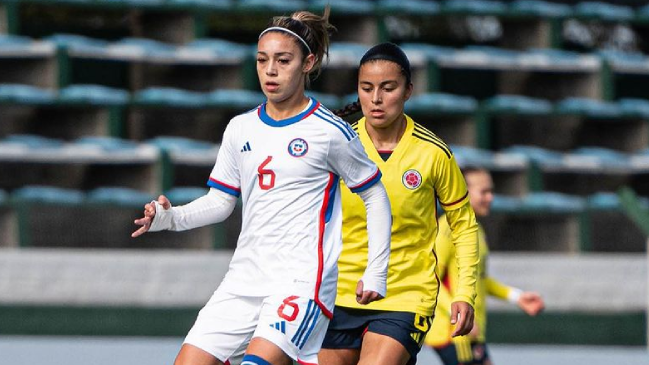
[(149, 214), (462, 318), (366, 296)]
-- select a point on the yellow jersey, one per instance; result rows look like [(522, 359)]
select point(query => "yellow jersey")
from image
[(440, 332), (420, 170)]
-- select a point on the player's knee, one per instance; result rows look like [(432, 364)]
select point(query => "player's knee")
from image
[(253, 360)]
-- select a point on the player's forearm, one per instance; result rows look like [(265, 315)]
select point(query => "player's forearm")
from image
[(464, 228), (211, 208), (497, 289), (379, 227)]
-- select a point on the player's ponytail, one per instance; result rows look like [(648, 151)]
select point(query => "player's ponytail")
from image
[(349, 109)]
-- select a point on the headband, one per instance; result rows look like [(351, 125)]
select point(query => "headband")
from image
[(282, 29)]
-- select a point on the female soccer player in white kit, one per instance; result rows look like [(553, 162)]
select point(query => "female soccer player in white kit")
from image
[(284, 159)]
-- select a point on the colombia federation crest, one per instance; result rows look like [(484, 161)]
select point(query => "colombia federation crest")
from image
[(411, 179)]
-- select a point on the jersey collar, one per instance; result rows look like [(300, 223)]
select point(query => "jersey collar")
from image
[(398, 150), (313, 105)]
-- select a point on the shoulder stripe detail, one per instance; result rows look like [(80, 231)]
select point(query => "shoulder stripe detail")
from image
[(436, 143), (423, 130), (355, 126), (455, 202), (338, 123), (335, 117), (219, 185), (367, 183)]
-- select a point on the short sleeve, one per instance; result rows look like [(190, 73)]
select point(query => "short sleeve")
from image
[(450, 185), (347, 159), (225, 175)]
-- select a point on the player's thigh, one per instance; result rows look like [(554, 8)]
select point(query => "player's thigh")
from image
[(394, 338), (338, 356), (382, 349), (342, 343), (293, 325), (190, 354), (223, 327)]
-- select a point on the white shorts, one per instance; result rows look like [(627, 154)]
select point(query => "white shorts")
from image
[(227, 323)]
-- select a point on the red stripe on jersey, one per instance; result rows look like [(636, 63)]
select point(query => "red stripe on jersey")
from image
[(368, 180), (317, 105), (321, 231), (224, 184), (455, 202)]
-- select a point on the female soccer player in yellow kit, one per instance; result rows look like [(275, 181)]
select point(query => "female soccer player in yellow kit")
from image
[(418, 170), (471, 349)]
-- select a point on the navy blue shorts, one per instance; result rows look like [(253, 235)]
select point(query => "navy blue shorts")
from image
[(348, 326), (448, 354)]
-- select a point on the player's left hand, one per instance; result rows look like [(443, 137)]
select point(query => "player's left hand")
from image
[(462, 318), (366, 296), (531, 303)]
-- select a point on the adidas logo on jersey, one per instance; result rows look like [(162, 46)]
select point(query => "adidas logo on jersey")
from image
[(246, 147), (280, 326)]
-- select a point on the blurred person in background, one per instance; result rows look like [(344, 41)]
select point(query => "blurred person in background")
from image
[(418, 170), (285, 159), (472, 348)]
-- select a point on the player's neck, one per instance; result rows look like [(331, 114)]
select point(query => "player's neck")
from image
[(387, 139), (287, 108)]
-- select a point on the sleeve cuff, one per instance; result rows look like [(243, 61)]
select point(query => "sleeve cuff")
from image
[(514, 295)]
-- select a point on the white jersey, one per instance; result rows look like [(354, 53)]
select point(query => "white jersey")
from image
[(287, 174)]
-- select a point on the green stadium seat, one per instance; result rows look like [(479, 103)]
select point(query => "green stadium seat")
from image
[(518, 105), (509, 171), (120, 196), (588, 108), (93, 95), (603, 11), (604, 124), (186, 162), (474, 7), (43, 194), (271, 6), (441, 103), (583, 171), (515, 119), (540, 222), (169, 97), (634, 108), (451, 117), (25, 94), (505, 204), (608, 227), (235, 100), (411, 8), (347, 7), (542, 9)]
